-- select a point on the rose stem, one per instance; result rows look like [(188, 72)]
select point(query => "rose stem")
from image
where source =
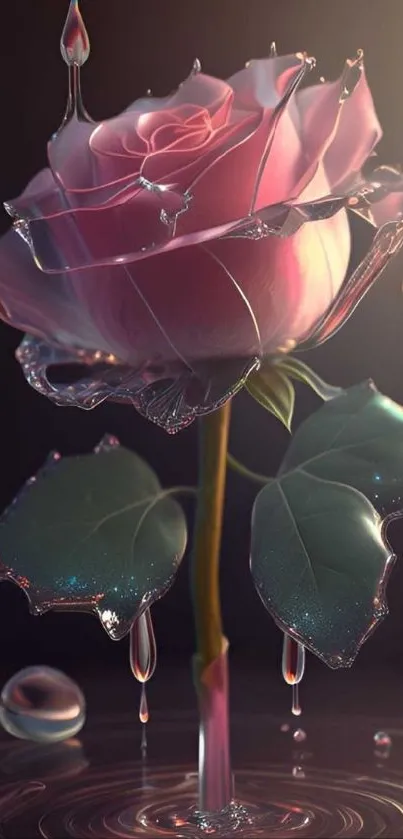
[(211, 666)]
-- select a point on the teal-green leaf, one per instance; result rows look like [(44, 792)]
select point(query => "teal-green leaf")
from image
[(356, 439), (320, 563), (273, 390), (323, 521), (297, 369), (94, 532)]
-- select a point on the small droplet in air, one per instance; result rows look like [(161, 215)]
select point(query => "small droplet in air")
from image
[(42, 704), (143, 648), (383, 744), (322, 80), (299, 735), (284, 727), (74, 43), (296, 709), (149, 92), (273, 50), (298, 772)]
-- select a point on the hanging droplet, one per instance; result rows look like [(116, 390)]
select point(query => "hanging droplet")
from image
[(299, 735), (75, 50), (351, 76), (143, 649), (74, 43), (293, 661), (293, 667), (295, 707), (273, 50), (42, 704)]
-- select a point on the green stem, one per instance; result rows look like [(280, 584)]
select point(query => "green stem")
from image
[(245, 472), (206, 554)]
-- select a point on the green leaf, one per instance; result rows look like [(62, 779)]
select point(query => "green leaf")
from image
[(94, 532), (356, 439), (274, 391), (296, 369), (320, 558)]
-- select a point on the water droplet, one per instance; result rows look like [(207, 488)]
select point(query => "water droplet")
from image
[(285, 727), (299, 735), (382, 739), (273, 50), (351, 76), (149, 92), (293, 661), (322, 80), (296, 709), (74, 43), (196, 68), (298, 772), (143, 648), (42, 704), (75, 50), (143, 710), (383, 745)]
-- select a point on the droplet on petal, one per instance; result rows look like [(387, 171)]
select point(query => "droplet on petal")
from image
[(273, 50), (42, 704)]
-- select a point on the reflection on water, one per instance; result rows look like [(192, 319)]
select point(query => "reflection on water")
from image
[(343, 779)]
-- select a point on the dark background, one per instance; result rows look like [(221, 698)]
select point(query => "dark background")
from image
[(135, 46)]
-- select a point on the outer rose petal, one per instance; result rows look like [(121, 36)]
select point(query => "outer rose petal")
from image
[(353, 127), (39, 304), (233, 298)]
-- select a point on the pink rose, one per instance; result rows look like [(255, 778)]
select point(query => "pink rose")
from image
[(185, 239)]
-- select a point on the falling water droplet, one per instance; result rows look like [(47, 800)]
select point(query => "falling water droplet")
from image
[(293, 661), (351, 76), (299, 735), (143, 649), (273, 50), (75, 50), (143, 710), (382, 739), (284, 727), (144, 717), (383, 745), (296, 709), (42, 704), (74, 43)]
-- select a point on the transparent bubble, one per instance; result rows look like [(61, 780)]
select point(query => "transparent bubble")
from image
[(42, 704), (382, 740), (299, 735)]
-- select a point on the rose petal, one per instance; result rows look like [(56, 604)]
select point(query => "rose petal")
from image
[(263, 82), (347, 132), (39, 304)]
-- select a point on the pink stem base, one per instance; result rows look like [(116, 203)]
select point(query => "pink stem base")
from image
[(215, 775)]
